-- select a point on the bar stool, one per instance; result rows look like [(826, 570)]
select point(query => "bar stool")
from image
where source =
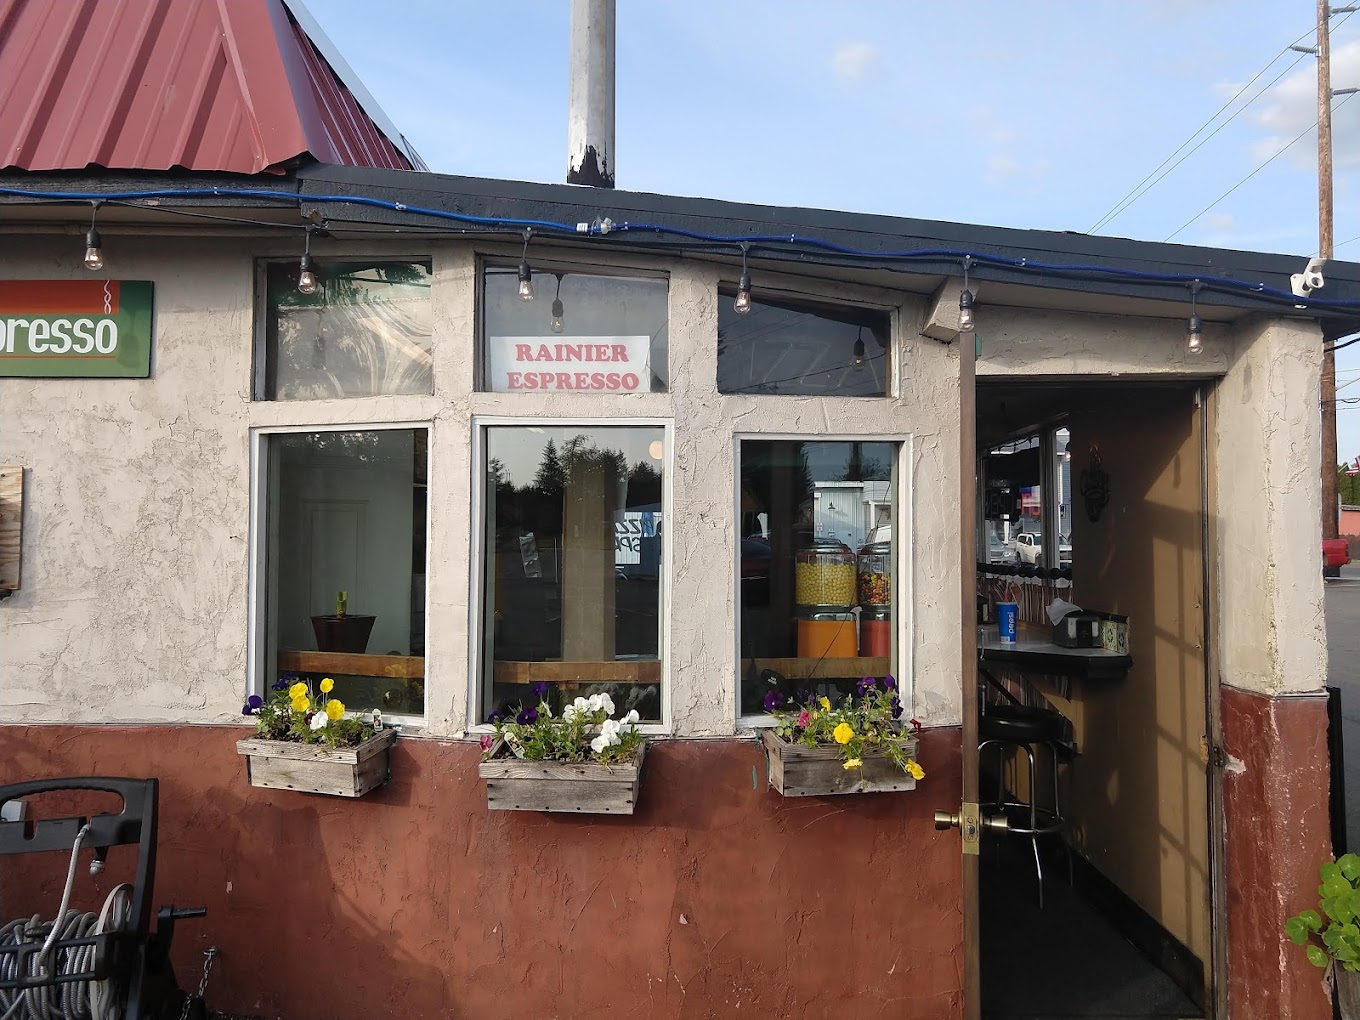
[(1023, 728)]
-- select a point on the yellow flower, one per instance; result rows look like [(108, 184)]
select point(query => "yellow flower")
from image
[(298, 690), (853, 763), (826, 703), (334, 709), (327, 685), (843, 733), (914, 770), (301, 704)]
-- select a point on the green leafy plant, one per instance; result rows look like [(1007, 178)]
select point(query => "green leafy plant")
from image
[(584, 731), (869, 723), (1339, 900), (341, 602), (296, 713)]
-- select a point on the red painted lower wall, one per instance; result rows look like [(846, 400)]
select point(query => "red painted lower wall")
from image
[(1278, 834), (717, 899)]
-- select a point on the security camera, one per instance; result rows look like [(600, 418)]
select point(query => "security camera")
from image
[(1309, 280)]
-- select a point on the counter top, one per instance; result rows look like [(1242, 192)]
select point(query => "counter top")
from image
[(1040, 655)]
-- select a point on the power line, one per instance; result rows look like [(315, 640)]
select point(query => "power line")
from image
[(1249, 176), (1148, 183)]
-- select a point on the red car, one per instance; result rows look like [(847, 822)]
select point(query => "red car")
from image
[(1335, 552)]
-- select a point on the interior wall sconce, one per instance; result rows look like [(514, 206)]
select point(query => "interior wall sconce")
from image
[(1095, 486)]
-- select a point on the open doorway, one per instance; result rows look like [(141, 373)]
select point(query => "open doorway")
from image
[(1092, 533)]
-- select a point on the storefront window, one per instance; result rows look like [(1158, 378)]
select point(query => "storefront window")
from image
[(365, 331), (579, 333), (346, 531), (573, 583), (800, 349), (818, 559), (1027, 496)]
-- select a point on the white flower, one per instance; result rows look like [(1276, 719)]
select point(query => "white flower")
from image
[(594, 704), (319, 720), (569, 713), (607, 703), (599, 744), (632, 716)]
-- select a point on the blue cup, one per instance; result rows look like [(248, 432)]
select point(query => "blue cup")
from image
[(1006, 615)]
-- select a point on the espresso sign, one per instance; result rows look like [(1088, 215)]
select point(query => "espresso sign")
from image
[(575, 364), (75, 329)]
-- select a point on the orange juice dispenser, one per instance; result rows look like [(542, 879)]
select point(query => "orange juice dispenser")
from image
[(874, 575), (824, 590)]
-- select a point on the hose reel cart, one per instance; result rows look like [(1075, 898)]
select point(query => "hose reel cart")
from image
[(83, 966)]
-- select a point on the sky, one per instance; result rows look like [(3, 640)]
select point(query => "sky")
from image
[(1041, 114)]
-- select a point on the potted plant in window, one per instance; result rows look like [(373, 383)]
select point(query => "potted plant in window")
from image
[(305, 741), (343, 631), (857, 745), (1332, 932), (583, 761)]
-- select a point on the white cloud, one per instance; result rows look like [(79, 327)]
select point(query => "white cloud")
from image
[(1220, 221), (856, 61), (1290, 109)]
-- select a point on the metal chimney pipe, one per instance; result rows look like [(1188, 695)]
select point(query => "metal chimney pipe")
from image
[(590, 117)]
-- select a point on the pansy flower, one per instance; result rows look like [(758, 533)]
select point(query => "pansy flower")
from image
[(527, 716), (539, 689), (252, 705), (865, 685), (773, 700)]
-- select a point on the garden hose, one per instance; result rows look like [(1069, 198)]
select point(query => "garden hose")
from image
[(72, 1000)]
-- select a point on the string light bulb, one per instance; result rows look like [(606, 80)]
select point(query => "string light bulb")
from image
[(526, 275), (94, 244), (558, 323), (307, 281), (742, 305), (1194, 333), (859, 347), (966, 321)]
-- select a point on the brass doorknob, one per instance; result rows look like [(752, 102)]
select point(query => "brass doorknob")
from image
[(946, 820)]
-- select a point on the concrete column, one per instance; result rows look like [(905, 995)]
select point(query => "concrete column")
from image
[(590, 118), (1272, 638)]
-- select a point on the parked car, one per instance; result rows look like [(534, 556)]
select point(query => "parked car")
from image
[(1030, 549)]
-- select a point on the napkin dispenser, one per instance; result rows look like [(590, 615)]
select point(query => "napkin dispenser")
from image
[(1088, 629)]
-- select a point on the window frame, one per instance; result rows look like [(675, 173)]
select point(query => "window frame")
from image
[(903, 549), (547, 267), (259, 354), (477, 554), (257, 609), (810, 301)]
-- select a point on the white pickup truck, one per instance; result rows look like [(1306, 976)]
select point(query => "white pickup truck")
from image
[(1030, 549)]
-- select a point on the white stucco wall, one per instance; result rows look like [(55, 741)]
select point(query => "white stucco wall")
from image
[(135, 599), (135, 595), (1272, 638)]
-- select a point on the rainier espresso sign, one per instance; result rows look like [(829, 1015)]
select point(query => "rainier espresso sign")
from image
[(584, 364), (98, 329)]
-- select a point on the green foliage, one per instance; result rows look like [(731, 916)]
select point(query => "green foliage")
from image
[(296, 713), (1339, 900), (868, 725), (584, 732)]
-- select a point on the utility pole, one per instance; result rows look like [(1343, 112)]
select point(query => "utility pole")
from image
[(1330, 524)]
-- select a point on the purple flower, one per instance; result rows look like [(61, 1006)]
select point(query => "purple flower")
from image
[(889, 684), (896, 708), (804, 696), (281, 684), (496, 716), (773, 700), (539, 689), (252, 704), (865, 685), (527, 716)]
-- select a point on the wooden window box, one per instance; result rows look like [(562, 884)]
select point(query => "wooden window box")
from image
[(312, 768), (513, 784), (796, 770)]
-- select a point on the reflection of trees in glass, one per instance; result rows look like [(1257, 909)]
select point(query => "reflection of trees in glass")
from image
[(367, 329), (550, 476), (644, 484), (760, 461)]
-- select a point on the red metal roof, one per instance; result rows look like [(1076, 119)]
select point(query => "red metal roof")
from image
[(211, 85)]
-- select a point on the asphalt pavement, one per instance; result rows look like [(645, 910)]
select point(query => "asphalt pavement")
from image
[(1343, 662)]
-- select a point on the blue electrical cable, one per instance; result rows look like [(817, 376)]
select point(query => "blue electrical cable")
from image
[(784, 241)]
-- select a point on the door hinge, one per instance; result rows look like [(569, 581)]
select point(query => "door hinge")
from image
[(1212, 755)]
